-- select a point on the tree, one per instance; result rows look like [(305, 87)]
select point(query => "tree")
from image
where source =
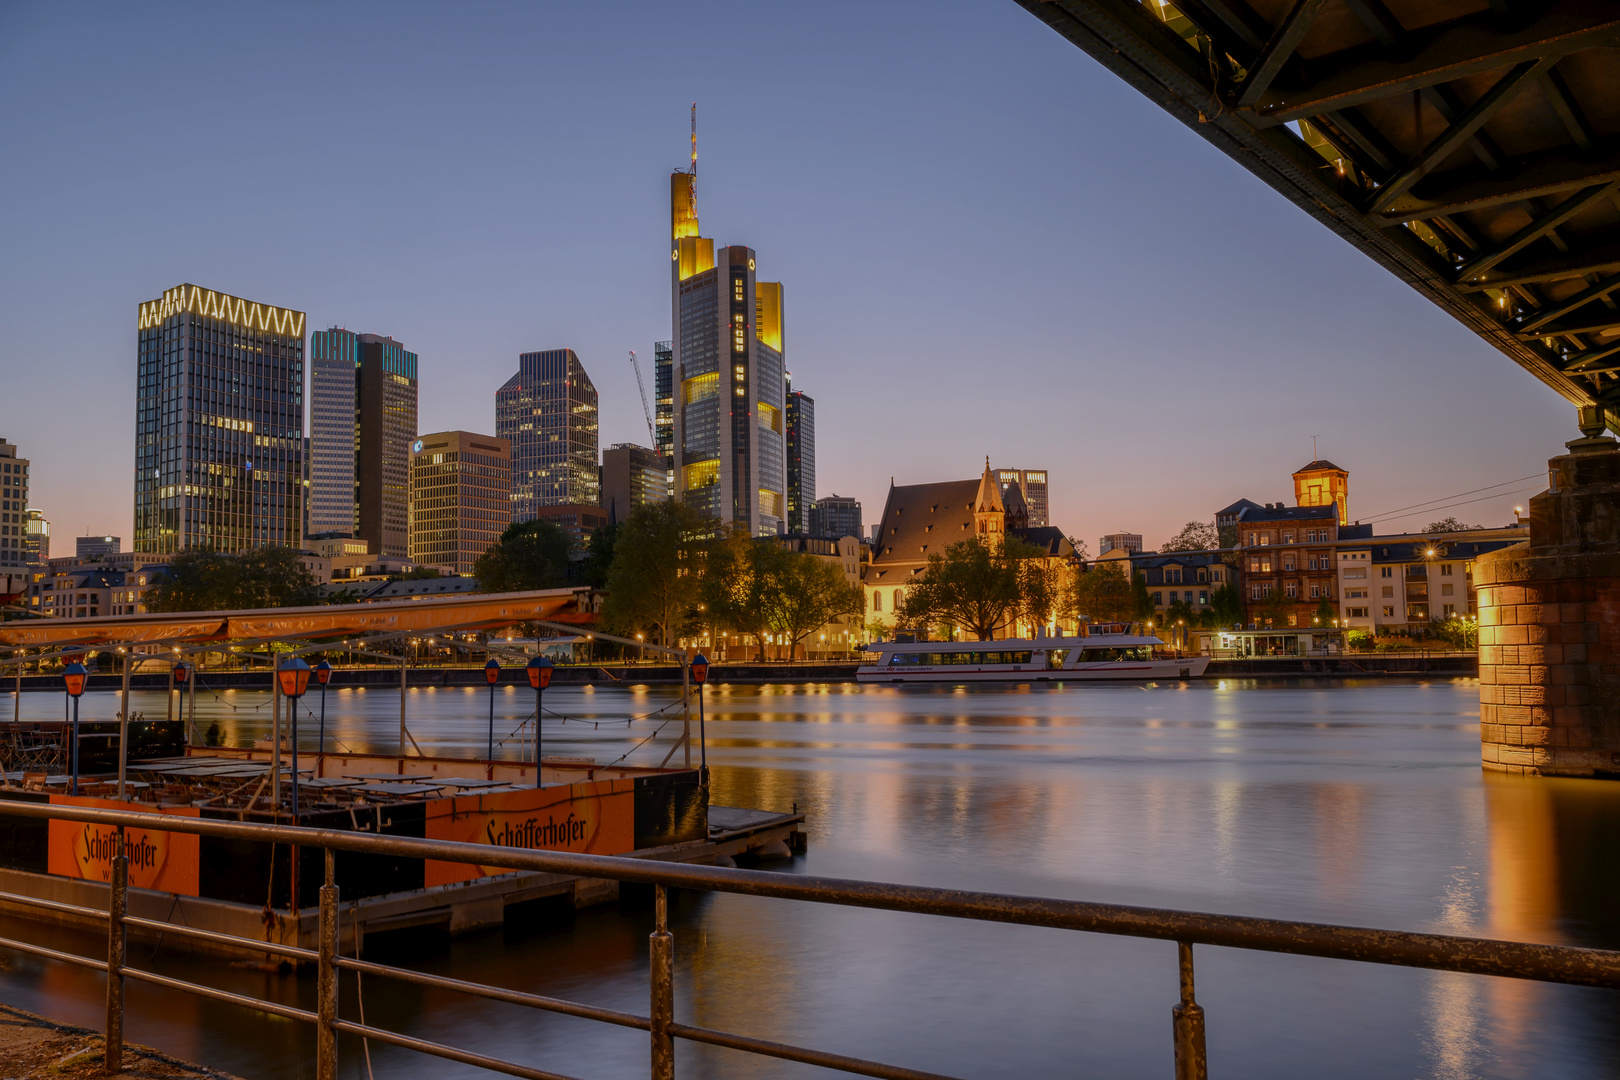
[(1277, 605), (1194, 536), (1226, 605), (1102, 594), (1326, 613), (529, 555), (808, 593), (738, 585), (1449, 524), (203, 579), (599, 555), (653, 581), (973, 584), (1177, 616), (1143, 601), (1080, 550)]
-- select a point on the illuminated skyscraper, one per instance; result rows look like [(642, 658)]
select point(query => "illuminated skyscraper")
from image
[(801, 459), (1031, 484), (363, 397), (664, 415), (14, 550), (728, 381), (548, 413), (219, 423), (460, 497)]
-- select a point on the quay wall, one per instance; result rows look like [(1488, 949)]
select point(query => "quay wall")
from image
[(1549, 627)]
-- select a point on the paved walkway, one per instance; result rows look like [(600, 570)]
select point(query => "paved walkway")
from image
[(34, 1048)]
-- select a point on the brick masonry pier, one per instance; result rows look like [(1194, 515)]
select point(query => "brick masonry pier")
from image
[(1549, 626)]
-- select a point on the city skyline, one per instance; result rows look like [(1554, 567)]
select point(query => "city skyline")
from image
[(455, 272)]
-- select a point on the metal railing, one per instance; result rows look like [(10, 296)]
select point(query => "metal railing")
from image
[(1435, 952)]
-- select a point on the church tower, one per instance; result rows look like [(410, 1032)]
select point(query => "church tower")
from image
[(989, 512)]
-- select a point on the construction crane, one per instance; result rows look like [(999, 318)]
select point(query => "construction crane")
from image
[(646, 410)]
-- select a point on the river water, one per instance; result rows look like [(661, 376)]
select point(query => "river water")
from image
[(1341, 801)]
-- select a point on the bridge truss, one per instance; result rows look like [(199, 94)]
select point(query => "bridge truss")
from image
[(1470, 147)]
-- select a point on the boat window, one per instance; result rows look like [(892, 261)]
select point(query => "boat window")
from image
[(1007, 658), (1127, 652), (902, 659), (1055, 657)]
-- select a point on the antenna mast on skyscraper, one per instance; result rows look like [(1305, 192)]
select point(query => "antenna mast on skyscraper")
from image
[(693, 170)]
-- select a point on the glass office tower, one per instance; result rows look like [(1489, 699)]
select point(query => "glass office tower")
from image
[(219, 428), (801, 459), (334, 361), (547, 411)]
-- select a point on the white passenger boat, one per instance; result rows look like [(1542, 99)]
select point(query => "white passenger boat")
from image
[(1053, 659)]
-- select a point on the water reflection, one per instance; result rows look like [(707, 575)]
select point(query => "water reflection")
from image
[(1344, 802)]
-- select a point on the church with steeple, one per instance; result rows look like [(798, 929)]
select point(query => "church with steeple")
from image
[(920, 520)]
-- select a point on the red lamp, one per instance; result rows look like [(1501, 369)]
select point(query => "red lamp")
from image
[(700, 669), (492, 671), (74, 675), (539, 672), (323, 672), (294, 676), (182, 672)]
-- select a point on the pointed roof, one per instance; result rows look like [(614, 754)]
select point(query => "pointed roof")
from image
[(988, 500), (1015, 503), (1321, 465)]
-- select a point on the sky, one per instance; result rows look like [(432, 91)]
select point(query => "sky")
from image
[(990, 246)]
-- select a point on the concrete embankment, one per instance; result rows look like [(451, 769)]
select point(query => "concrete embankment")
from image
[(1358, 666), (33, 1046)]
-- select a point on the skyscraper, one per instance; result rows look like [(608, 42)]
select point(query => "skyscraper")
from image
[(219, 423), (632, 475), (1031, 484), (801, 458), (836, 516), (548, 413), (94, 547), (664, 407), (37, 545), (363, 396), (461, 485), (13, 508), (728, 378)]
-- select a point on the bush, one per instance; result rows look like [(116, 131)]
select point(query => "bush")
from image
[(1360, 640)]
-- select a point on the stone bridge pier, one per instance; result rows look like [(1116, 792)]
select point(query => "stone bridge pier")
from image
[(1549, 624)]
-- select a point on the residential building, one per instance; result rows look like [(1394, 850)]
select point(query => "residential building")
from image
[(363, 406), (632, 475), (1188, 578), (77, 593), (93, 547), (835, 516), (460, 497), (801, 458), (728, 379), (1031, 483), (548, 413), (37, 541), (578, 520), (219, 423), (1399, 583), (1322, 483), (1289, 563), (1226, 522), (14, 549), (1124, 541), (923, 519)]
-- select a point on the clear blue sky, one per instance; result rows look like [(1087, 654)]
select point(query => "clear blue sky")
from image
[(990, 245)]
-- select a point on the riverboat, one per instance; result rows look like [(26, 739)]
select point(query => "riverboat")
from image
[(1091, 658)]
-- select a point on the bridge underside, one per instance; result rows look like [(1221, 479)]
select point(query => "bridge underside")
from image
[(1471, 147)]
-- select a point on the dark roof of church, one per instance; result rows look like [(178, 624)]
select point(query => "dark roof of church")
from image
[(1012, 499), (1320, 465), (919, 519), (1049, 538)]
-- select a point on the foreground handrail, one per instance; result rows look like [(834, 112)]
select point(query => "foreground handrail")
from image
[(1438, 952)]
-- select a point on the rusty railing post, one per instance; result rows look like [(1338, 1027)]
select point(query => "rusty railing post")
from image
[(327, 979), (1191, 1062), (117, 903), (661, 954)]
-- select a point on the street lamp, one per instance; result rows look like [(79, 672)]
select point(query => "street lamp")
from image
[(700, 675), (539, 678), (294, 677), (74, 676), (492, 675), (323, 675)]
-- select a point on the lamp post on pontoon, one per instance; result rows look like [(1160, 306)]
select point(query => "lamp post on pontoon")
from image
[(181, 672), (492, 675), (539, 678), (700, 675), (323, 675), (74, 676), (293, 674)]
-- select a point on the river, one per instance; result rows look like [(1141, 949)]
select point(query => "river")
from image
[(1332, 800)]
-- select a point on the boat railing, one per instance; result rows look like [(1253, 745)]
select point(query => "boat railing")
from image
[(1186, 929)]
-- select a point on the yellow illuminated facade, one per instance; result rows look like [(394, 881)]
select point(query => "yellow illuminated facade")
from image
[(700, 387), (768, 313), (700, 474), (1322, 483), (224, 307)]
